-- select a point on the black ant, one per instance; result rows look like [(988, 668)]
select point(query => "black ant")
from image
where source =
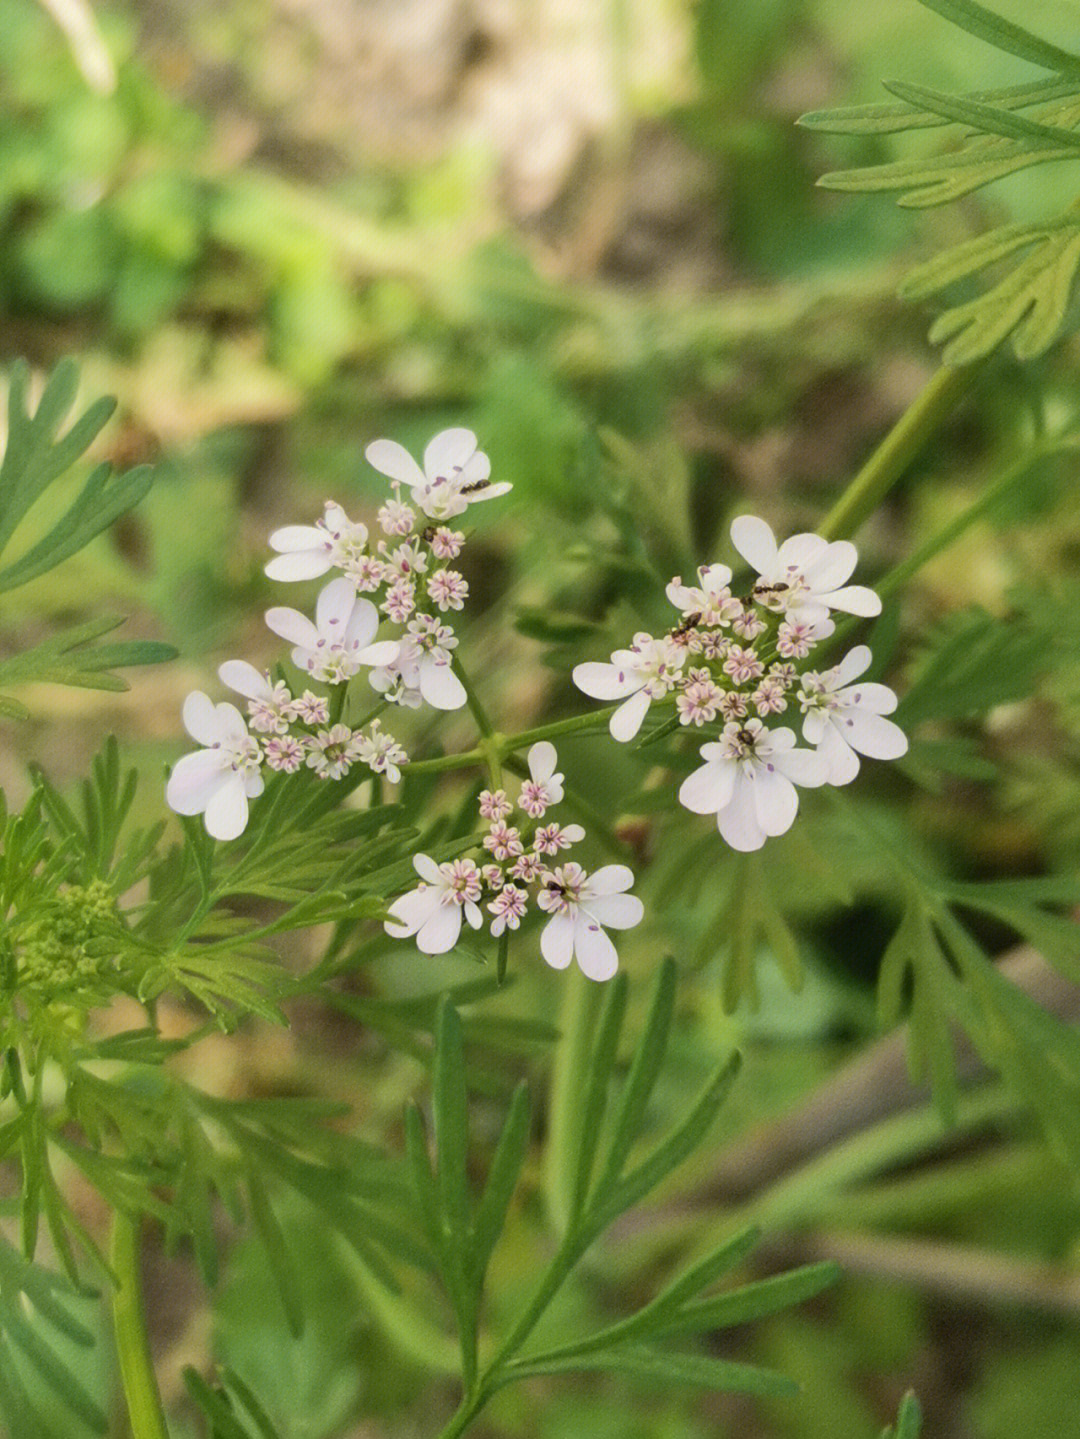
[(474, 488), (777, 589), (683, 628)]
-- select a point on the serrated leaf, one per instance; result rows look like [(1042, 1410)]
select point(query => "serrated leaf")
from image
[(975, 661)]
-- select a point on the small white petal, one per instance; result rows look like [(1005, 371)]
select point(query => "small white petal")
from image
[(870, 698), (427, 869), (291, 625), (832, 567), (755, 541), (201, 718), (802, 766), (606, 682), (439, 933), (776, 801), (573, 832), (557, 941), (448, 452), (842, 761), (303, 565), (542, 759), (871, 734), (245, 679), (383, 652), (336, 605), (611, 879), (194, 781), (626, 721), (709, 788), (738, 822), (227, 812), (596, 955), (814, 726), (392, 459), (477, 467), (854, 663), (617, 911), (800, 552), (854, 600), (440, 686)]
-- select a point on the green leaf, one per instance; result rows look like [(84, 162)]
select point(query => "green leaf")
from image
[(656, 1369), (908, 1420), (70, 659), (502, 1178), (450, 1113), (753, 1301), (671, 1152), (649, 1054), (597, 1084), (987, 119), (974, 661), (1004, 35), (104, 499), (282, 1267), (896, 119)]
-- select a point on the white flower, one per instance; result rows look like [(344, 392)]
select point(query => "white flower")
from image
[(845, 720), (508, 907), (433, 911), (380, 752), (543, 787), (329, 752), (804, 576), (421, 670), (340, 641), (217, 781), (307, 551), (455, 473), (579, 905), (748, 781), (270, 706), (639, 675), (712, 602)]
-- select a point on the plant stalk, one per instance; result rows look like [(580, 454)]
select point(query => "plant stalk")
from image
[(145, 1412), (890, 461)]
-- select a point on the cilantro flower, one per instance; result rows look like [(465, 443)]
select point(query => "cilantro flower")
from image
[(307, 551), (846, 720), (218, 780), (543, 787), (270, 706), (639, 675), (433, 911), (340, 640), (802, 577), (455, 473), (748, 781), (581, 905)]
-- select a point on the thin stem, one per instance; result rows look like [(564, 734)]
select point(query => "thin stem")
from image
[(145, 1412), (472, 699), (890, 460)]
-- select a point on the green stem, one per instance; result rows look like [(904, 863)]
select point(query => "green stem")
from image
[(890, 460), (577, 1024), (145, 1413), (472, 699)]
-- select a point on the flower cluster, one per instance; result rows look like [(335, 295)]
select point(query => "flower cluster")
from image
[(402, 578), (736, 662), (513, 862)]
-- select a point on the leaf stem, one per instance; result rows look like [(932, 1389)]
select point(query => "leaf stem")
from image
[(145, 1413), (890, 460)]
